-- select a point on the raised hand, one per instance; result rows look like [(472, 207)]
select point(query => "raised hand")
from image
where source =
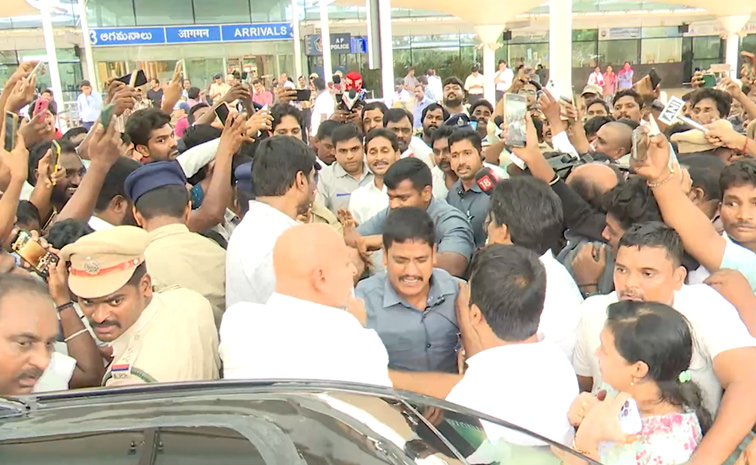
[(655, 168), (102, 147), (172, 91), (233, 136), (260, 121), (17, 160), (39, 129), (22, 94)]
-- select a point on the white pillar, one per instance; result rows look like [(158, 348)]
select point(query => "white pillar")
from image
[(560, 43), (297, 40), (91, 74), (733, 25), (325, 39), (52, 58), (387, 50), (489, 35)]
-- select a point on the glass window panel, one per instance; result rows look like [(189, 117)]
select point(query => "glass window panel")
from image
[(155, 12), (8, 56), (660, 32), (233, 11), (616, 52), (706, 48), (579, 35), (661, 51), (104, 13), (584, 54), (528, 54), (269, 10)]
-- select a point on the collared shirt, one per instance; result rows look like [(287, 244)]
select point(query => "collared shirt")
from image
[(263, 98), (715, 324), (538, 402), (249, 257), (89, 107), (419, 149), (417, 339), (179, 257), (98, 224), (289, 338), (560, 318), (417, 112), (367, 201), (473, 203), (453, 231), (174, 339), (335, 186)]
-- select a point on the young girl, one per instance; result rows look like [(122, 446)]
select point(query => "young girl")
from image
[(645, 352)]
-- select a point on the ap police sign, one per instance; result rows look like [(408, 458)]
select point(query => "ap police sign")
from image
[(157, 35)]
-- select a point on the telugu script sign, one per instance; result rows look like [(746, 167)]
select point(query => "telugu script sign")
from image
[(103, 37)]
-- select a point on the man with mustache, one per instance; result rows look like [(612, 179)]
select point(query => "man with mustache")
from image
[(151, 132), (381, 151), (433, 117), (156, 337), (454, 95), (28, 326), (401, 122), (628, 104), (649, 268), (411, 304)]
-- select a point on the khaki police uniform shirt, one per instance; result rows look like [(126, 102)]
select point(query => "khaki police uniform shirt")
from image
[(174, 339), (179, 257)]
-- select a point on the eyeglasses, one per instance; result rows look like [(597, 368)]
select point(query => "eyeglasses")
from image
[(527, 92)]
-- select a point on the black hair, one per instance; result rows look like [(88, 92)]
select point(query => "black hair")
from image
[(410, 168), (193, 93), (535, 84), (27, 213), (73, 132), (278, 159), (661, 337), (395, 115), (705, 172), (593, 125), (326, 128), (14, 284), (345, 132), (632, 202), (628, 93), (386, 134), (502, 61), (113, 185), (373, 106), (194, 110), (739, 173), (435, 106), (52, 107), (722, 99), (443, 132), (141, 123), (453, 80), (279, 110), (676, 129), (687, 96), (68, 231), (531, 211), (139, 273), (482, 102), (37, 152), (654, 234), (125, 139), (508, 285), (169, 200), (408, 224), (598, 101), (199, 134), (628, 122), (467, 134), (319, 83)]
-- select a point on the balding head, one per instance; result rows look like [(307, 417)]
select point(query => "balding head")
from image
[(591, 181), (614, 139), (312, 263)]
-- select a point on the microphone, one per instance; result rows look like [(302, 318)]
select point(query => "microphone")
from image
[(350, 98), (486, 180)]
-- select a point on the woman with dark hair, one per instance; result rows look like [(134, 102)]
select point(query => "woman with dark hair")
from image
[(646, 349)]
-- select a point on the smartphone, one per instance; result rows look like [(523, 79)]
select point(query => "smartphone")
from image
[(710, 80), (629, 418), (55, 158), (106, 115), (222, 112), (655, 78), (244, 75), (516, 107), (36, 69), (303, 95), (41, 106), (640, 144), (11, 128), (139, 80), (30, 251)]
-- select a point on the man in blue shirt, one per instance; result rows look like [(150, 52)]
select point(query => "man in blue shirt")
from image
[(412, 305), (421, 101), (89, 105)]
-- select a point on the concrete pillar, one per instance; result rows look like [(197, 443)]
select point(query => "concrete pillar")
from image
[(325, 38), (387, 50), (52, 58), (91, 75), (297, 40), (733, 25), (560, 43), (489, 35)]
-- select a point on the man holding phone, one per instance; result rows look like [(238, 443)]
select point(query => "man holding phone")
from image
[(89, 105)]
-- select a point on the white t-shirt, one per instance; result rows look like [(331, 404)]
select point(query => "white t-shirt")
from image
[(324, 105), (716, 325), (529, 385), (366, 201), (561, 309), (478, 80), (504, 79)]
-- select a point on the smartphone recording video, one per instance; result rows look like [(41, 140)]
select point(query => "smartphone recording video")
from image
[(516, 110)]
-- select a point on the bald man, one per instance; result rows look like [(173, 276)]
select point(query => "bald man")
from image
[(311, 327), (591, 181), (615, 140)]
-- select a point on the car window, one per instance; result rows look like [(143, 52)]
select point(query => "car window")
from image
[(116, 448)]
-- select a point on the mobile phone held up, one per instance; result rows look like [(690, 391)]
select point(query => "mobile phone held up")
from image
[(106, 115), (655, 78), (303, 95), (139, 80), (516, 110), (32, 252), (222, 112), (11, 128)]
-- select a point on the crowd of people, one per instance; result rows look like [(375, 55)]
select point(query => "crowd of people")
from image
[(615, 263)]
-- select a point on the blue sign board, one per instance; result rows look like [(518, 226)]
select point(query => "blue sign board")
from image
[(102, 37), (340, 44), (359, 45)]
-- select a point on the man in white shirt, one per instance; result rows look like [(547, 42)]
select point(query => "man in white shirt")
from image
[(381, 151), (113, 207), (402, 123), (503, 80), (400, 98), (475, 85), (324, 105), (311, 327), (648, 268), (526, 212), (498, 320), (434, 83), (283, 183), (337, 181)]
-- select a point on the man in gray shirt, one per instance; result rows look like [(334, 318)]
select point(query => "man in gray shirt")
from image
[(337, 181), (412, 305), (409, 183), (410, 81)]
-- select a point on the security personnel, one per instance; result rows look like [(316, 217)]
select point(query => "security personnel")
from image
[(156, 337), (175, 256)]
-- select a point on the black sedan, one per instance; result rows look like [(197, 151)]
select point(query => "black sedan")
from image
[(272, 423)]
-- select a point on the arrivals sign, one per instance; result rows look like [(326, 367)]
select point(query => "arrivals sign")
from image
[(157, 35)]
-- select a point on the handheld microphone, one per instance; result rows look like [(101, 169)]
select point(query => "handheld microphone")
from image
[(350, 98), (486, 180)]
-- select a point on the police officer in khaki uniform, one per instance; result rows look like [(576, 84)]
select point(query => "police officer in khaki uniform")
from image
[(175, 256), (156, 337)]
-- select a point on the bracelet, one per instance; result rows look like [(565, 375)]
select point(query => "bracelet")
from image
[(77, 333), (66, 305), (555, 180), (662, 182)]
